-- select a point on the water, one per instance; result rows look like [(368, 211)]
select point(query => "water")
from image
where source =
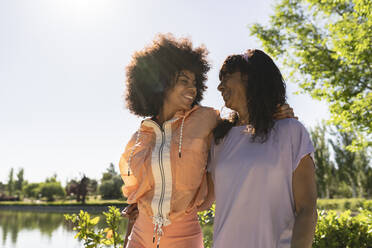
[(49, 230), (41, 230)]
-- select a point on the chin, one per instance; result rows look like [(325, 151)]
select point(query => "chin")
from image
[(186, 107)]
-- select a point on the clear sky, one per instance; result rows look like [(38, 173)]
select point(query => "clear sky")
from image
[(62, 74)]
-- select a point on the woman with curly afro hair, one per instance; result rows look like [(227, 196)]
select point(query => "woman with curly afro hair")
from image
[(262, 168), (164, 164)]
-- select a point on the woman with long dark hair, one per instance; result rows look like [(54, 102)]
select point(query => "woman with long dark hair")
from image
[(263, 173)]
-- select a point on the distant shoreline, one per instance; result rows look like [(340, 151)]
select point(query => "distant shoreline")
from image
[(59, 207)]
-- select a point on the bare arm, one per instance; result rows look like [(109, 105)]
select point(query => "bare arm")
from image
[(304, 192), (210, 196)]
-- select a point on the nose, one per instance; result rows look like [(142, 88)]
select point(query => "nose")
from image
[(220, 87)]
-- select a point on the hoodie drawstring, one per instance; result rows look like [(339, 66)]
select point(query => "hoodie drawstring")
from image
[(181, 136)]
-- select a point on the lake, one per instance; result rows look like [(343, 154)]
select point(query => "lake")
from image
[(22, 229), (42, 230)]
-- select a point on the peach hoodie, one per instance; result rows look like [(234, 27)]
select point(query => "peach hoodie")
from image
[(164, 168)]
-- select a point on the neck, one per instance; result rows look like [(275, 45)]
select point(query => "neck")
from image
[(243, 117), (165, 114)]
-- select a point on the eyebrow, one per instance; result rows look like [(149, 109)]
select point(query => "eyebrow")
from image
[(183, 74)]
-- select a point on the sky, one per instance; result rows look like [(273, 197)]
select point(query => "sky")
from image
[(62, 75)]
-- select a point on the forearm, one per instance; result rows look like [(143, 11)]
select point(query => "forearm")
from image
[(209, 199), (207, 204), (304, 228)]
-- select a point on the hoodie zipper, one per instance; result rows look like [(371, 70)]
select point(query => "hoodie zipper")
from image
[(161, 166)]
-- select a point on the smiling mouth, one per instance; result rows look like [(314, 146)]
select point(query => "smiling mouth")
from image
[(225, 96), (189, 97)]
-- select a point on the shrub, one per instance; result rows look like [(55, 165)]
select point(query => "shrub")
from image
[(52, 189), (111, 188), (93, 238), (31, 190), (343, 230), (353, 204), (333, 230)]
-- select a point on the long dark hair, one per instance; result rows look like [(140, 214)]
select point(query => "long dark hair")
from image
[(265, 89)]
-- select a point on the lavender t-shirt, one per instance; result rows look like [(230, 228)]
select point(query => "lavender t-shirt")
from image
[(253, 185)]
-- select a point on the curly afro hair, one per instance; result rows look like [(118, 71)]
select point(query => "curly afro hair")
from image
[(265, 89), (153, 70)]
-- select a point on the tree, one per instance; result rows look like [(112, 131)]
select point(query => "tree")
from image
[(327, 46), (111, 184), (368, 185), (352, 166), (79, 188), (51, 189), (325, 169), (11, 182), (2, 188), (92, 186), (32, 190), (20, 180)]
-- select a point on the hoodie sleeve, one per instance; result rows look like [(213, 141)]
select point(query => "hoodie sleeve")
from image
[(130, 181)]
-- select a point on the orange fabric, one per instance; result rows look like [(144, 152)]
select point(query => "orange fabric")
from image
[(184, 233), (189, 186)]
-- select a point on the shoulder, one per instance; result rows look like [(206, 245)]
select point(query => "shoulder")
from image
[(211, 112), (203, 119), (130, 143), (289, 125), (293, 131), (206, 115)]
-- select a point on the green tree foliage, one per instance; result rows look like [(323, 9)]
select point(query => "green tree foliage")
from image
[(2, 188), (10, 184), (32, 190), (111, 184), (20, 180), (325, 169), (369, 182), (51, 189), (327, 46), (92, 186), (352, 166)]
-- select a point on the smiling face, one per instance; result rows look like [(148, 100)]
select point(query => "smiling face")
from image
[(183, 93), (233, 91)]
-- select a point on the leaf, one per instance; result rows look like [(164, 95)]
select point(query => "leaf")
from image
[(95, 220)]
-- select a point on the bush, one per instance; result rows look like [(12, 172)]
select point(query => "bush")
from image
[(353, 204), (333, 230), (31, 190), (52, 189), (111, 188), (86, 228), (343, 230)]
